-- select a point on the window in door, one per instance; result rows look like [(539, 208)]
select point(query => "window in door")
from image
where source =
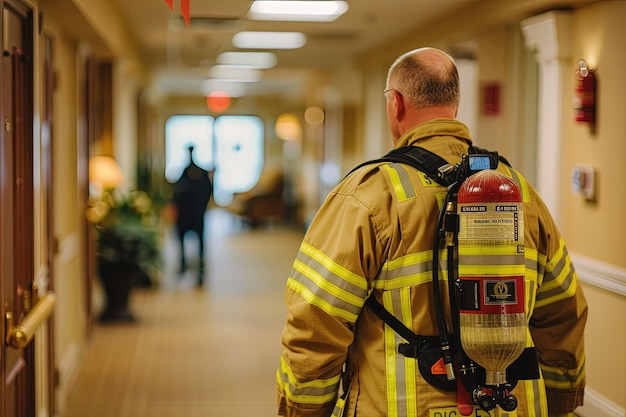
[(232, 146)]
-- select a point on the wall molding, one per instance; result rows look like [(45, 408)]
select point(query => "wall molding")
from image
[(598, 406), (600, 274)]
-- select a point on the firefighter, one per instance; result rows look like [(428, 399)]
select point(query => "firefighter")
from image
[(373, 235)]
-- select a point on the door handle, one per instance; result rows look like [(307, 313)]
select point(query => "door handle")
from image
[(19, 336)]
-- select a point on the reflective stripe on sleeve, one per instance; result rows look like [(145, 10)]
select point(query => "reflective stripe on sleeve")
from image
[(559, 280), (563, 378), (317, 391), (326, 284)]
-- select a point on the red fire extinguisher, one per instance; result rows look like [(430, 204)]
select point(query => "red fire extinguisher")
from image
[(585, 95), (491, 269)]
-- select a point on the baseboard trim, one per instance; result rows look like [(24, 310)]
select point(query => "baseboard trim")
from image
[(598, 406), (600, 274)]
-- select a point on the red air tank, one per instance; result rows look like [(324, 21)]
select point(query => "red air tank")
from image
[(491, 269)]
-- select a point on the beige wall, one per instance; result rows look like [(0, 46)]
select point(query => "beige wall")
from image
[(69, 318), (597, 230)]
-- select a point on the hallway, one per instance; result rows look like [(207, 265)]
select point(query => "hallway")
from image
[(209, 351)]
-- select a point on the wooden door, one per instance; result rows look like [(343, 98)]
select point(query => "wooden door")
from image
[(17, 382)]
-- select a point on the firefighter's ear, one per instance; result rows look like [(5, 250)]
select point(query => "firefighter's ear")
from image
[(398, 104)]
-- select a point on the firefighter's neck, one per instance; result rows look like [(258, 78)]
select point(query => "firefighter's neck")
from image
[(419, 116), (412, 117)]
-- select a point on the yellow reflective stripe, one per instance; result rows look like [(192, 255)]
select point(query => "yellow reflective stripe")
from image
[(530, 286), (557, 268), (390, 362), (559, 280), (332, 266), (535, 265), (326, 284), (487, 270), (535, 397), (401, 183), (563, 378), (317, 391), (400, 371), (410, 383), (521, 182), (410, 270), (405, 271), (411, 259), (325, 305), (489, 250), (331, 288)]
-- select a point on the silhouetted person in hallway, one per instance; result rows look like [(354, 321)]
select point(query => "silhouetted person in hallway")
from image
[(191, 196)]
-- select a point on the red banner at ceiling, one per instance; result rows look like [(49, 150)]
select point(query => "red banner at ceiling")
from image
[(184, 8)]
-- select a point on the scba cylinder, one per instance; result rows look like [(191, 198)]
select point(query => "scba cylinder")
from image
[(491, 270)]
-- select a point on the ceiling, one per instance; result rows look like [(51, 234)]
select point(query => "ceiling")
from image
[(180, 56)]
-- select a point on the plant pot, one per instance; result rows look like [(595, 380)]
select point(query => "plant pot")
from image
[(118, 279)]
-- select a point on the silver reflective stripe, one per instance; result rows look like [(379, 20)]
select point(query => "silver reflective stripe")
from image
[(409, 271), (403, 175)]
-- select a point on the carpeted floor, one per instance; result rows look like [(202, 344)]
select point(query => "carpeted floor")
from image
[(209, 351)]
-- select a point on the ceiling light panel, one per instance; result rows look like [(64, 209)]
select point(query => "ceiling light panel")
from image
[(300, 11), (258, 60), (269, 40), (235, 73)]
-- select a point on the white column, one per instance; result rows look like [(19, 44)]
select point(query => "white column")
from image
[(548, 35), (376, 134), (124, 99)]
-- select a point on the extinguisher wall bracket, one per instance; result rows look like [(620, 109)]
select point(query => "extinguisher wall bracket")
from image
[(583, 70)]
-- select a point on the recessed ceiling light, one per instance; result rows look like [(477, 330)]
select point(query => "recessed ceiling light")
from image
[(269, 40), (301, 11), (236, 73), (259, 60)]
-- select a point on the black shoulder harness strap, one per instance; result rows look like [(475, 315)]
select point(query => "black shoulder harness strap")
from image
[(434, 166), (420, 158), (427, 162)]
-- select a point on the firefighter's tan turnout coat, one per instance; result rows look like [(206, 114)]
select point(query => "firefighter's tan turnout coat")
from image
[(374, 233)]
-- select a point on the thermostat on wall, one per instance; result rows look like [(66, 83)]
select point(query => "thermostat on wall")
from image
[(583, 181)]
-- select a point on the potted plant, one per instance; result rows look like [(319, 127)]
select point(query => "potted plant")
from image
[(127, 248)]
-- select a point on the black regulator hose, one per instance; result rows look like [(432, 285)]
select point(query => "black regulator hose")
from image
[(446, 351)]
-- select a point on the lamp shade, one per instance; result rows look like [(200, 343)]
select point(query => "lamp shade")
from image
[(105, 171), (288, 127)]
